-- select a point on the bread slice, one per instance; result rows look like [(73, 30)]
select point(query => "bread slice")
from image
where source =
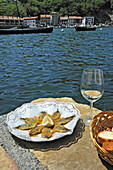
[(108, 146), (105, 136)]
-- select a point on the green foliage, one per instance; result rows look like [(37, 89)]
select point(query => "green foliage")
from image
[(64, 7)]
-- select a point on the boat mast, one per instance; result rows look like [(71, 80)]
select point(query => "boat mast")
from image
[(85, 6), (17, 8)]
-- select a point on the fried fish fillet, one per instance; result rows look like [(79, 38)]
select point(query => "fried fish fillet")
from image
[(36, 130), (60, 128), (63, 121), (55, 115), (47, 133), (41, 115), (34, 119), (26, 126)]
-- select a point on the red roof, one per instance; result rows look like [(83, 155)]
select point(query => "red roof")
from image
[(43, 16), (30, 17), (75, 17), (63, 18)]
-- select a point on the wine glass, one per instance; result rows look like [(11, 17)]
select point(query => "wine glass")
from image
[(92, 88)]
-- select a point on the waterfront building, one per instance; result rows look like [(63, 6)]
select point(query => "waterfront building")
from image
[(63, 21), (44, 19), (88, 21), (30, 21), (54, 18), (10, 22), (73, 20)]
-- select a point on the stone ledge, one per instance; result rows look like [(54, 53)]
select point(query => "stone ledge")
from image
[(5, 161), (80, 155)]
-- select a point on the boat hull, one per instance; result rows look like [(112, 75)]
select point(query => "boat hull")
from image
[(85, 28), (27, 30)]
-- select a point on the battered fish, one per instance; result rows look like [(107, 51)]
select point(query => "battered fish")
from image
[(26, 126), (63, 121), (31, 119), (56, 115), (41, 115), (60, 128), (36, 130), (47, 133)]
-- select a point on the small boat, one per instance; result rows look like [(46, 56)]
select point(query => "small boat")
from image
[(85, 28), (26, 30), (86, 25)]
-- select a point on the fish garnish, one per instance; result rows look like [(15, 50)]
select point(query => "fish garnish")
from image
[(47, 132), (36, 130), (26, 126), (60, 128), (47, 121), (64, 120), (56, 115)]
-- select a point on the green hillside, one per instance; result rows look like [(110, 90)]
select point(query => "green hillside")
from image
[(98, 8)]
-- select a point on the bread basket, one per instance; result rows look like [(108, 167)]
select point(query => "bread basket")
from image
[(101, 122)]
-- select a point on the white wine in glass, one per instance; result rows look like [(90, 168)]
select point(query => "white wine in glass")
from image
[(92, 88)]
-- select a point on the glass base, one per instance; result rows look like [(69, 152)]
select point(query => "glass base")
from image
[(87, 120)]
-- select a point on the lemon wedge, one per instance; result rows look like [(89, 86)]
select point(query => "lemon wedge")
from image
[(47, 121)]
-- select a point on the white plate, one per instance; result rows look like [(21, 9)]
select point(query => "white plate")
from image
[(33, 109)]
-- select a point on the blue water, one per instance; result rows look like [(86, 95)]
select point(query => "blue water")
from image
[(50, 65)]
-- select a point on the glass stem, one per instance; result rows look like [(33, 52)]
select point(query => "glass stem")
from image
[(91, 109)]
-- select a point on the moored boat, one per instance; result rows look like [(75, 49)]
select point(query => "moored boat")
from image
[(86, 25), (26, 30), (85, 28)]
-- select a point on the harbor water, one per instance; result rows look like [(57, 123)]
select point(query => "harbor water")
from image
[(50, 65)]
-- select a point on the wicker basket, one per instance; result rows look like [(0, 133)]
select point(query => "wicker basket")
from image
[(101, 122)]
